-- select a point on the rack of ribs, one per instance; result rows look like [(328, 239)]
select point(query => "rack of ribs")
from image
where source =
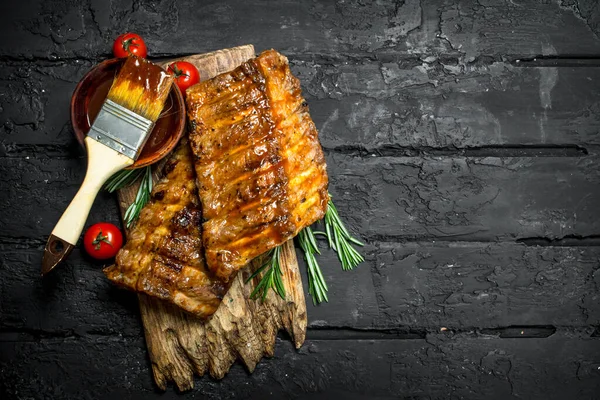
[(163, 255), (251, 177), (260, 169)]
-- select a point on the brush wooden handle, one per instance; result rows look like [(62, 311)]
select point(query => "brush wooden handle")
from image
[(103, 162)]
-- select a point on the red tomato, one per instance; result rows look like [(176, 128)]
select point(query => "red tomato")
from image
[(103, 240), (129, 43), (186, 74)]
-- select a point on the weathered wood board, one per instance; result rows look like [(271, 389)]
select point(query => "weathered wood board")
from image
[(180, 345)]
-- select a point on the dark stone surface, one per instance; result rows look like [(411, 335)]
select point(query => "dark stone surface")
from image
[(462, 141), (457, 365)]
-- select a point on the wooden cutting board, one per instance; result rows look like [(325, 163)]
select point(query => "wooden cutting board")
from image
[(180, 345)]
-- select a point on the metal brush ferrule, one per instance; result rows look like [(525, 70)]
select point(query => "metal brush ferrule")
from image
[(121, 129)]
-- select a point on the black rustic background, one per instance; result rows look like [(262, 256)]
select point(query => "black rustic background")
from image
[(462, 145)]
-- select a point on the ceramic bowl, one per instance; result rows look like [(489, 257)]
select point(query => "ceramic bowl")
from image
[(91, 92)]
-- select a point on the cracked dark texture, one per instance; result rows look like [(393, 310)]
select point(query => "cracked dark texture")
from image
[(455, 198), (462, 142), (416, 368), (370, 104), (588, 10)]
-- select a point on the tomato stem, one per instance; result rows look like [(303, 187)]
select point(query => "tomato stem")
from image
[(176, 71), (129, 43), (99, 239)]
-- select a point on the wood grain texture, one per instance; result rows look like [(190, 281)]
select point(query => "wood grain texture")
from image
[(241, 329), (180, 345)]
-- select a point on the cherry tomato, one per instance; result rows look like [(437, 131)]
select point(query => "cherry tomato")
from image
[(103, 240), (185, 73), (129, 43)]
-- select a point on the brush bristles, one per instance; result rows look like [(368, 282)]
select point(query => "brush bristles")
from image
[(142, 87)]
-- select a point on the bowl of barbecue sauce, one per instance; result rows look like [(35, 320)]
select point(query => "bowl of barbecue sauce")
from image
[(90, 94)]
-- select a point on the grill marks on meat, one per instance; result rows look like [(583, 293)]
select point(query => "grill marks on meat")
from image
[(163, 255), (260, 168), (257, 165)]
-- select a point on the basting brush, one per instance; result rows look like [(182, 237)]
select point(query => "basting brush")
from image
[(115, 140)]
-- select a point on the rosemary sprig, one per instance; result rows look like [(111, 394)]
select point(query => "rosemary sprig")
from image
[(317, 288), (126, 178), (142, 197), (123, 179), (340, 240), (271, 279)]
